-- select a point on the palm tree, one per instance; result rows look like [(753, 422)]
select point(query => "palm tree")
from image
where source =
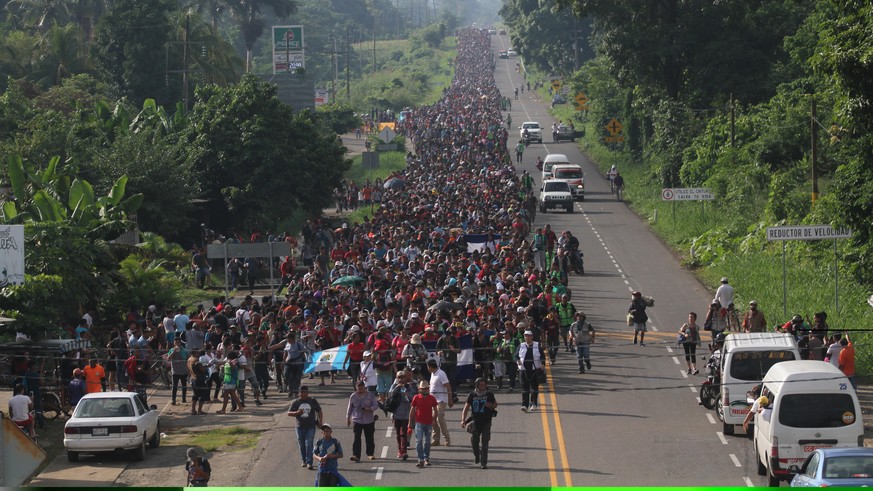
[(60, 55), (41, 14), (247, 14)]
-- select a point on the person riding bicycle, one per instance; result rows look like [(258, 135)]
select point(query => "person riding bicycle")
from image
[(724, 295), (20, 407), (618, 183), (610, 176)]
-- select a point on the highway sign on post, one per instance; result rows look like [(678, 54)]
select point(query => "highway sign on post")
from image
[(581, 102), (808, 232), (686, 194), (557, 84), (387, 135), (614, 127)]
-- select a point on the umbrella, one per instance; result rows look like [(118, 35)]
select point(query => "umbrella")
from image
[(446, 305), (347, 280), (394, 183)]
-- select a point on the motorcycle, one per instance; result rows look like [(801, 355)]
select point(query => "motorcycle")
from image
[(710, 389), (576, 262)]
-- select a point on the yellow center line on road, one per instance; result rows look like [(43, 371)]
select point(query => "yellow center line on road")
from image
[(553, 475), (559, 430)]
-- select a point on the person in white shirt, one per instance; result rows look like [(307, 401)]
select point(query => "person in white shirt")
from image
[(441, 389), (19, 410), (529, 361), (724, 295)]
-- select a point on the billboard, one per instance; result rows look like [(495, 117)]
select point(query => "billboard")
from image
[(288, 48), (11, 255)]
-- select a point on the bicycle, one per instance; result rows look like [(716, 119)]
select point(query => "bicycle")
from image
[(733, 319), (53, 405), (158, 373)]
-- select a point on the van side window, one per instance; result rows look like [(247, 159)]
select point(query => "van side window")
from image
[(753, 365), (817, 410)]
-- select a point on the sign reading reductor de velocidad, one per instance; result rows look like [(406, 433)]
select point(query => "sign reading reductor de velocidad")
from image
[(808, 232)]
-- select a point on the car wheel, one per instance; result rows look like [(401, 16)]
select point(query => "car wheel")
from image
[(570, 208), (708, 395), (727, 429), (72, 456), (139, 452), (543, 209), (762, 469), (155, 442), (582, 198)]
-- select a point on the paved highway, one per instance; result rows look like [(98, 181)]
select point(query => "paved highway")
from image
[(633, 420)]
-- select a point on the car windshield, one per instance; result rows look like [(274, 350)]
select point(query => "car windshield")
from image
[(109, 407), (849, 467), (568, 174), (557, 186), (529, 126)]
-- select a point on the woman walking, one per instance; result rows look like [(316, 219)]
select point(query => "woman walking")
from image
[(689, 336)]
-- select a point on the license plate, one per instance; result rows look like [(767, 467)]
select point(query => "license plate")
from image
[(813, 448), (100, 432)]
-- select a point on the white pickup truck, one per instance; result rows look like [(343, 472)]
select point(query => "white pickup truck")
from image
[(534, 131)]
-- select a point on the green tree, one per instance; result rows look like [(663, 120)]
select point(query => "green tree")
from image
[(61, 55), (248, 15), (129, 49), (256, 170)]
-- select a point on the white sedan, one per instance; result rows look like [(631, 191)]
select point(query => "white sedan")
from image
[(111, 421)]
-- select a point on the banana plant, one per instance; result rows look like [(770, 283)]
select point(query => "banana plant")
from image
[(49, 197)]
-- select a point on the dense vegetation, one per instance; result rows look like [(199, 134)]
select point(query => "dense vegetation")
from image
[(720, 95)]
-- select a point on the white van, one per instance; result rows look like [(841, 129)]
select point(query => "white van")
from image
[(552, 160), (746, 358), (812, 405), (574, 176)]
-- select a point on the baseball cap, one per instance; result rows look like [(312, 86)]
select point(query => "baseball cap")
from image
[(520, 310), (326, 426), (528, 333)]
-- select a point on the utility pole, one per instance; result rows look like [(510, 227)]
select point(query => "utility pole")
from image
[(814, 153), (575, 44), (733, 131), (333, 98), (348, 65), (185, 62), (374, 44)]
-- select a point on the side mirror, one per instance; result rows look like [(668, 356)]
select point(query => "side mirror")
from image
[(153, 407), (794, 469)]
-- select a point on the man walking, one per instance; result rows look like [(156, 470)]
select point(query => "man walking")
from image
[(529, 361), (327, 452), (753, 320), (582, 335), (519, 151), (361, 412), (307, 410), (441, 390), (481, 404), (422, 413)]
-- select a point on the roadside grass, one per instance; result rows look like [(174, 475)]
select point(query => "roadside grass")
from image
[(233, 438), (389, 163), (695, 232)]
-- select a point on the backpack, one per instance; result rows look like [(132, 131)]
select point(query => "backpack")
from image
[(393, 402)]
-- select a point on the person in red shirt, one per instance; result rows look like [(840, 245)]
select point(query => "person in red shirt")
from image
[(355, 354), (847, 360), (94, 376), (422, 412)]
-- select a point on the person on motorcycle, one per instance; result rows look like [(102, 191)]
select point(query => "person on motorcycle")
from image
[(571, 243), (525, 136)]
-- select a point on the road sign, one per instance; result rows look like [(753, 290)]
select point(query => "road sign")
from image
[(613, 139), (808, 232), (11, 255), (614, 127), (387, 135), (686, 194), (581, 102), (284, 62), (321, 97), (288, 38), (557, 84)]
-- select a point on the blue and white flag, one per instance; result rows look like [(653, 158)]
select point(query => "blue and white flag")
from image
[(466, 368), (327, 360), (478, 242)]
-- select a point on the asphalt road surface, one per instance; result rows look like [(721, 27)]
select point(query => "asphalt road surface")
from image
[(633, 420)]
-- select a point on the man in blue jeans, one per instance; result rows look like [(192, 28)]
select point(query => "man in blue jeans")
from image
[(307, 410)]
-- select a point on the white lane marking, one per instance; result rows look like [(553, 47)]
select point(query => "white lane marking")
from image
[(654, 328), (748, 482), (388, 431), (622, 274), (379, 471), (735, 460), (698, 400), (675, 360), (626, 282), (693, 388), (710, 418), (684, 373), (385, 452), (721, 437), (669, 349)]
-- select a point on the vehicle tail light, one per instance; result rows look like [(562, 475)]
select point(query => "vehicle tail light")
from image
[(72, 430), (726, 401), (774, 450), (129, 429)]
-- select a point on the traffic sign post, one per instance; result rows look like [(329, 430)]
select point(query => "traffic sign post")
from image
[(613, 127), (687, 194), (581, 102), (809, 232), (288, 48), (557, 84)]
